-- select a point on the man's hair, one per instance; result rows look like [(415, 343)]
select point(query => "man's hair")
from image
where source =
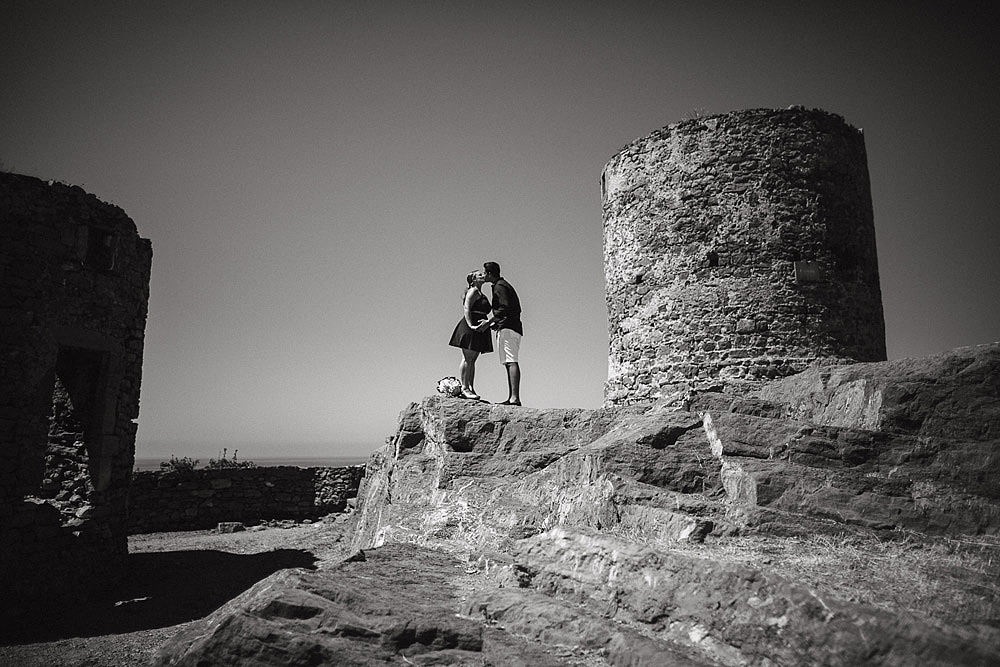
[(492, 268)]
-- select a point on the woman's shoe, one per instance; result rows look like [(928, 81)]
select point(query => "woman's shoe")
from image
[(470, 395)]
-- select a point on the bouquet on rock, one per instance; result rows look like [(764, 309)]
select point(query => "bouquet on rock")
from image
[(450, 386)]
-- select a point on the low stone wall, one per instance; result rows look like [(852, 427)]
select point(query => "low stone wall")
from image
[(198, 499)]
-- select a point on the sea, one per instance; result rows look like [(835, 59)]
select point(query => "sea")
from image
[(153, 463)]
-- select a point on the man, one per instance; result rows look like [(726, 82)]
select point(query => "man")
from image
[(506, 320)]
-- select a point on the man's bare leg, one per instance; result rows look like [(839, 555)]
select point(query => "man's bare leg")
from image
[(513, 383)]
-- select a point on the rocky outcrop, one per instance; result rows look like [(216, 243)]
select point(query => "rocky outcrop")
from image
[(338, 618), (727, 612), (605, 536), (952, 395), (487, 475), (909, 444), (403, 604), (456, 470), (600, 469)]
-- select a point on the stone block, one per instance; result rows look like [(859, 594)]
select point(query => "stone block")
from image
[(230, 527)]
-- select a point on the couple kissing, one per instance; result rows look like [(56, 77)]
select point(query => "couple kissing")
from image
[(473, 334)]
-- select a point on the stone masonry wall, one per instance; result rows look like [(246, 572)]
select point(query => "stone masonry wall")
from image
[(198, 499), (738, 248), (74, 284)]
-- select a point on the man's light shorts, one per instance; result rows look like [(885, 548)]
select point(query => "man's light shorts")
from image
[(508, 345)]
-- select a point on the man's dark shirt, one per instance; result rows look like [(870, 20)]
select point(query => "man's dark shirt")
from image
[(506, 306)]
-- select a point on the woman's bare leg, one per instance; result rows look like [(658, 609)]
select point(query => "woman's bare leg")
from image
[(468, 369)]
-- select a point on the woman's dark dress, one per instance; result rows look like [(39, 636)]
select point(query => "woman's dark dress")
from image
[(465, 337)]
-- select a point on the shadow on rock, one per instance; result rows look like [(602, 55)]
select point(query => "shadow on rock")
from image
[(159, 590)]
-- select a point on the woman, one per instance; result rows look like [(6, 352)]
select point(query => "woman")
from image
[(472, 333)]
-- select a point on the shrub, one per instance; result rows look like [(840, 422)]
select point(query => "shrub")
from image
[(178, 465), (224, 462)]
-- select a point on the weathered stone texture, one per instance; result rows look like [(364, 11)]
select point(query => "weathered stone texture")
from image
[(393, 606), (74, 284), (908, 443), (732, 613), (738, 248), (196, 499), (468, 471), (948, 395)]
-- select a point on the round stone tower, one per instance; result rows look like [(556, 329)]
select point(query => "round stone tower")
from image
[(738, 248)]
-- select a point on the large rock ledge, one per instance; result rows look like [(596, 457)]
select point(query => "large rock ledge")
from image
[(336, 617), (614, 536), (733, 613)]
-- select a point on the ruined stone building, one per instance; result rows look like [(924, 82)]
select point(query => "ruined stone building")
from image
[(738, 248), (74, 284)]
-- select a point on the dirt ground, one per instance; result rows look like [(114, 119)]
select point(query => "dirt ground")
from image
[(171, 580)]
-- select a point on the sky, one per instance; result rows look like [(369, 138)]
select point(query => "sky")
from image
[(317, 178)]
